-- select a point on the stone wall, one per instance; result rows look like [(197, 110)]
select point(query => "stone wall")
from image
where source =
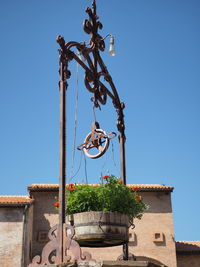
[(11, 225)]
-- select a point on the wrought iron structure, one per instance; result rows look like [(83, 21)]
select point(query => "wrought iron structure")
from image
[(96, 79)]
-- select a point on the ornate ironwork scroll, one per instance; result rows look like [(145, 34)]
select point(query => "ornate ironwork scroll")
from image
[(50, 250), (99, 82), (97, 78)]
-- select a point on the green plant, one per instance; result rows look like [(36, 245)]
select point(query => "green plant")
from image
[(110, 195)]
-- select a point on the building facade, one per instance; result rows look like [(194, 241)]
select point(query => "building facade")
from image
[(25, 222), (16, 217)]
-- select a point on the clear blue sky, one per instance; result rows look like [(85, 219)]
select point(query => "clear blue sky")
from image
[(156, 71)]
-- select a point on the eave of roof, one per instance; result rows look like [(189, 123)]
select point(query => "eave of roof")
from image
[(15, 201), (141, 187), (187, 247)]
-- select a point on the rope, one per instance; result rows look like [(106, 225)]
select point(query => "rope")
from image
[(104, 165), (79, 167), (86, 176), (75, 124), (113, 157)]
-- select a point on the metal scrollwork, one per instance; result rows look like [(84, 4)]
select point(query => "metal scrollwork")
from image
[(99, 82), (50, 249), (97, 78)]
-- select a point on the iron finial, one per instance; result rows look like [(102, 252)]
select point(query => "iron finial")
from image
[(94, 6)]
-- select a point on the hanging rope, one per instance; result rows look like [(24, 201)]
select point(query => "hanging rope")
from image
[(113, 157), (102, 170), (79, 167), (85, 161), (75, 125)]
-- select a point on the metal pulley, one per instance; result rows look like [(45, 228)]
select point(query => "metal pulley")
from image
[(97, 141)]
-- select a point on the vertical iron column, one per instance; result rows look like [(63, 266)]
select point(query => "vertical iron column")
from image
[(122, 140), (62, 178)]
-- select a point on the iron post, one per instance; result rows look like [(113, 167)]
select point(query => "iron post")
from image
[(62, 177), (95, 69)]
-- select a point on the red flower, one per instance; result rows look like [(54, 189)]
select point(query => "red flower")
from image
[(138, 198), (70, 187), (134, 188), (106, 177), (121, 182), (56, 204)]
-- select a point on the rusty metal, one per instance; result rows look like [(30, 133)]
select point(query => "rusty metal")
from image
[(100, 141), (51, 250), (62, 178), (97, 78), (97, 139), (99, 82), (56, 250)]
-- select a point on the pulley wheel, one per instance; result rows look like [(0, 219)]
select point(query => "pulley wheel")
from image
[(99, 142)]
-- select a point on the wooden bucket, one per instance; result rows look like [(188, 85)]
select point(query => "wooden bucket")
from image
[(101, 228)]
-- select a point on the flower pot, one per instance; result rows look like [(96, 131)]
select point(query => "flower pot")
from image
[(101, 228)]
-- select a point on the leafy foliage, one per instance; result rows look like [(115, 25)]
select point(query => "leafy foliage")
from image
[(110, 195)]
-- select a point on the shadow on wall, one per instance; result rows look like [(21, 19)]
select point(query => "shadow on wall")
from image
[(11, 214), (159, 202), (150, 260)]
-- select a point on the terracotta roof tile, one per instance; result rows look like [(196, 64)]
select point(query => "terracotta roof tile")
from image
[(188, 247), (152, 187), (141, 187), (15, 200)]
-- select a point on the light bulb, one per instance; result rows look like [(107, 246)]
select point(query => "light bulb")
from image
[(111, 50)]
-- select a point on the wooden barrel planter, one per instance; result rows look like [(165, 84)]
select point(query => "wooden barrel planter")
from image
[(101, 228)]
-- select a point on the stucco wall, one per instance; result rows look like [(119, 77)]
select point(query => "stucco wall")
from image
[(158, 219), (188, 260), (11, 235), (27, 237), (44, 217)]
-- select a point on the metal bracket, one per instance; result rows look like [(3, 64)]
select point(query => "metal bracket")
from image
[(70, 247)]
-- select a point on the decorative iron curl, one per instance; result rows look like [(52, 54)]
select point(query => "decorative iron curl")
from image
[(94, 66), (48, 257)]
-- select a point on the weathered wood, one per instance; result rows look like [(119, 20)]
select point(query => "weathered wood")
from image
[(101, 228)]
